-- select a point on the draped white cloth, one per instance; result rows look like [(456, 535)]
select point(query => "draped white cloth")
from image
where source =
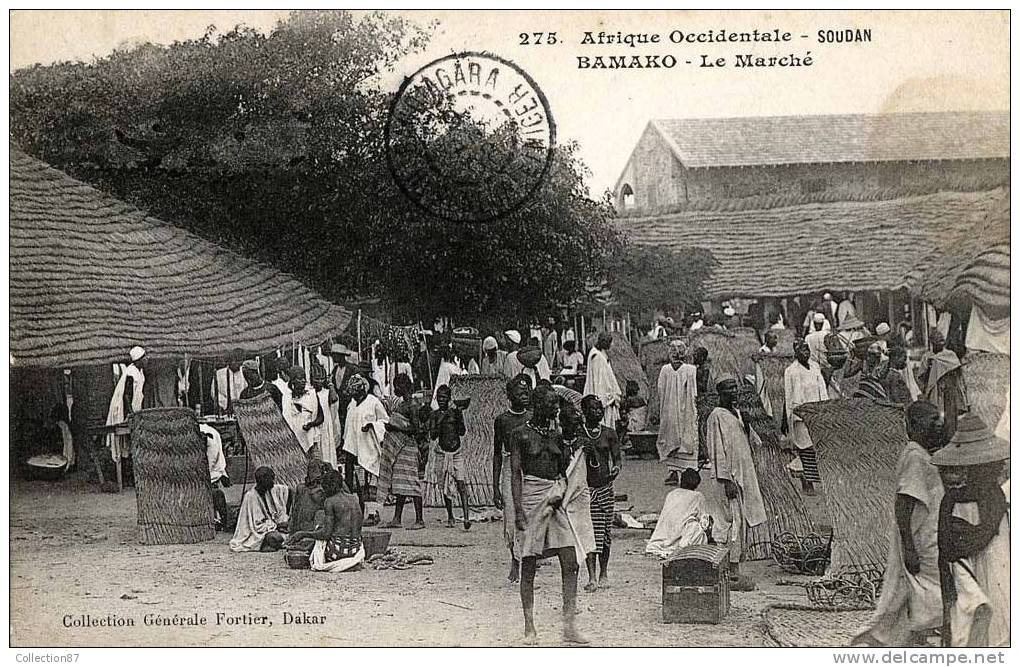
[(682, 523), (367, 446), (601, 381), (259, 516), (118, 444), (678, 413)]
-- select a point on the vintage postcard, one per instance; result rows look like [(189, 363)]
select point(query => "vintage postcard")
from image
[(509, 328)]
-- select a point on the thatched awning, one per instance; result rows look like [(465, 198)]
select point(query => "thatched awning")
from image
[(971, 266), (793, 248), (91, 276)]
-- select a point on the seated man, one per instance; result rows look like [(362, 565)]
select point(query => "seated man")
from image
[(684, 520), (307, 510), (263, 516), (338, 544)]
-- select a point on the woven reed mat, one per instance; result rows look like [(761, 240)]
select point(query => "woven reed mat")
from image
[(488, 401), (858, 442), (269, 440), (791, 625), (730, 351), (987, 377), (627, 367), (171, 477)]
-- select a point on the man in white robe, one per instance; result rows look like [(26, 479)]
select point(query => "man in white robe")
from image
[(684, 520), (803, 383), (128, 395), (229, 382), (263, 516), (600, 380), (733, 471), (911, 602), (816, 339), (677, 441), (304, 415), (364, 430)]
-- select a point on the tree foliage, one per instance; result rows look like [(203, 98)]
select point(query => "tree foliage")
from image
[(273, 144), (646, 279)]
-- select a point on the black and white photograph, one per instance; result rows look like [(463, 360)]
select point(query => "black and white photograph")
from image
[(510, 328)]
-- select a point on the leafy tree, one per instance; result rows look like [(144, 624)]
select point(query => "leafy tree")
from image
[(273, 144), (645, 279)]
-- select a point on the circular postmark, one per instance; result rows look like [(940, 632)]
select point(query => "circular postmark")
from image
[(470, 137)]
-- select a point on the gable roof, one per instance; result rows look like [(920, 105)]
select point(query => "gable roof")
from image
[(91, 276), (810, 247), (776, 140)]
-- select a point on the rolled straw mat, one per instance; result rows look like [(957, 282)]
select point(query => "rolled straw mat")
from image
[(269, 440), (171, 477), (791, 625)]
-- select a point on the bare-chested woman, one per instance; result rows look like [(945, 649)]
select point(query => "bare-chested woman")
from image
[(338, 544), (539, 463)]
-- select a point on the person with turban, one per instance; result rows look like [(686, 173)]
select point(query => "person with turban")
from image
[(128, 397), (256, 385), (940, 377), (493, 358), (304, 414), (803, 383), (677, 441), (816, 339), (329, 430)]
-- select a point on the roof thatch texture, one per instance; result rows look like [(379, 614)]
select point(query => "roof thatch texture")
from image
[(814, 246), (970, 265), (92, 276), (774, 140)]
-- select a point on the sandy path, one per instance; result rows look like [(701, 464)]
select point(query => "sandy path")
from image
[(74, 553)]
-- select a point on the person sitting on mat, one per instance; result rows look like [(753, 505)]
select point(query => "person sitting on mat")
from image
[(338, 545), (263, 517)]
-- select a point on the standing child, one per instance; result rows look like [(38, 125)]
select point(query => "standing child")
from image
[(633, 409), (446, 424)]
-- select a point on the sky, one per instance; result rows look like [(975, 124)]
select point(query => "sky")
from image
[(915, 61)]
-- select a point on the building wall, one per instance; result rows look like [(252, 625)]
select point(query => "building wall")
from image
[(659, 180)]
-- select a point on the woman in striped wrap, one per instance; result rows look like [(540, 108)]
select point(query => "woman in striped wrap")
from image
[(603, 459), (398, 468)]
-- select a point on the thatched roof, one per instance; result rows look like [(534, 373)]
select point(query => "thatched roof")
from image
[(91, 276), (972, 265), (799, 248), (774, 140)]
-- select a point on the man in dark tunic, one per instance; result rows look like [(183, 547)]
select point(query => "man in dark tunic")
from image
[(539, 463), (518, 393)]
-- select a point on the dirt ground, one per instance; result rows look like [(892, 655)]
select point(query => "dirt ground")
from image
[(74, 551)]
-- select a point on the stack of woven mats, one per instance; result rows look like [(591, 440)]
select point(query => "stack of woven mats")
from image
[(171, 477), (269, 440)]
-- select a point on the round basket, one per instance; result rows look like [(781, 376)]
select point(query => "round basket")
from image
[(297, 560), (799, 626), (375, 542)]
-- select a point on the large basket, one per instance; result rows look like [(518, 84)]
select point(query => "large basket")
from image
[(269, 440), (171, 477), (730, 351), (773, 367), (858, 441), (375, 542)]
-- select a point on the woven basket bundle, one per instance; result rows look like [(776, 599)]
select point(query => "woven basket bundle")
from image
[(858, 441), (269, 439), (171, 477), (627, 367), (653, 355), (773, 366), (488, 401), (987, 378), (730, 351)]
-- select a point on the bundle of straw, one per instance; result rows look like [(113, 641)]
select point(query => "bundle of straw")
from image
[(653, 354), (773, 366), (730, 351), (858, 441), (171, 477), (626, 367), (488, 401), (269, 439)]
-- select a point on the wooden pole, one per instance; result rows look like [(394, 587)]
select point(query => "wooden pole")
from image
[(359, 334)]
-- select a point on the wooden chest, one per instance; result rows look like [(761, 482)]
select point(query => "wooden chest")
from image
[(696, 586)]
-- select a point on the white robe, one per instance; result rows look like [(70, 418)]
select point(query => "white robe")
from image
[(227, 378), (802, 385), (366, 446), (118, 444), (678, 413), (300, 410), (214, 452), (601, 381), (258, 517), (730, 455), (330, 430), (682, 523)]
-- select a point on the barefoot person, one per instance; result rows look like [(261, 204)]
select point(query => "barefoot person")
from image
[(398, 472), (263, 517), (733, 469), (677, 442), (446, 426), (518, 393), (364, 430), (602, 450), (544, 496), (338, 544)]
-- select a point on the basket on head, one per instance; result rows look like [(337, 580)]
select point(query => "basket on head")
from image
[(171, 477)]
